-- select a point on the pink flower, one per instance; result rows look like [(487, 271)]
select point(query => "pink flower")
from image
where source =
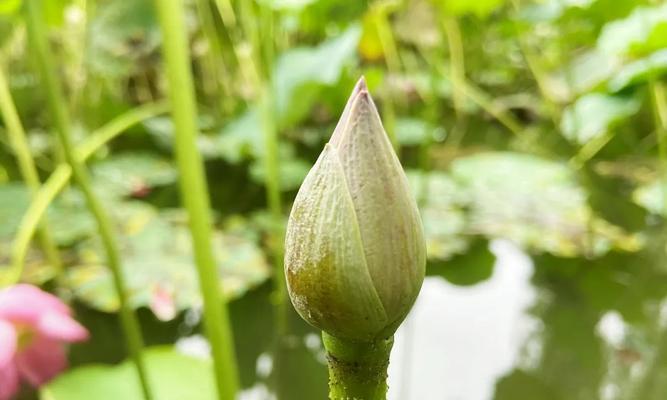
[(34, 327)]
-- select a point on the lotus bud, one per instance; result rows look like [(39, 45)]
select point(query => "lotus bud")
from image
[(355, 253)]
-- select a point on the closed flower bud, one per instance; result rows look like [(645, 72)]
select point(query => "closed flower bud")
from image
[(355, 252)]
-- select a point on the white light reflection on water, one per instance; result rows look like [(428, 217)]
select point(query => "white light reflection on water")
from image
[(459, 340)]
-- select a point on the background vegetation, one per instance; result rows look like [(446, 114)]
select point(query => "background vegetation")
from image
[(540, 122)]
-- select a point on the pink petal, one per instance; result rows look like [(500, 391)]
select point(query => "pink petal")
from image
[(26, 303), (9, 381), (41, 360), (61, 327), (7, 343), (162, 303)]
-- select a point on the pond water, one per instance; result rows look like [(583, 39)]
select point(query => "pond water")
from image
[(537, 328)]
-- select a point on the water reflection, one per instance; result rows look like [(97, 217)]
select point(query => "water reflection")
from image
[(538, 327), (459, 340)]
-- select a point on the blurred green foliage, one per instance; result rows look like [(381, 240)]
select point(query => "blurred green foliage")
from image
[(541, 128)]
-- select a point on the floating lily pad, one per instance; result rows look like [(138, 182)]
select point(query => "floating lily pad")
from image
[(68, 217), (132, 174), (441, 204), (171, 375), (536, 202), (300, 71), (159, 268)]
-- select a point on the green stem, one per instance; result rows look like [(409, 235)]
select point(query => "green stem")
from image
[(659, 104), (226, 12), (56, 103), (456, 61), (194, 192), (101, 136), (393, 62), (478, 96), (62, 174), (535, 67), (19, 143), (259, 27), (357, 371), (216, 65), (483, 100)]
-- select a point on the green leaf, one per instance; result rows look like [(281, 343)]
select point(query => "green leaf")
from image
[(162, 130), (291, 5), (301, 72), (589, 70), (172, 376), (14, 200), (594, 114), (126, 174), (535, 202), (414, 131), (640, 71), (651, 196), (643, 31), (292, 172), (122, 34), (159, 264), (8, 7), (69, 218), (481, 8), (441, 202), (241, 138)]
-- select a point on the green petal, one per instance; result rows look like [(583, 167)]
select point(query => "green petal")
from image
[(389, 222), (327, 276)]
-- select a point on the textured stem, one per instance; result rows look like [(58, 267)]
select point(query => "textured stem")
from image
[(194, 192), (56, 103), (19, 143), (357, 371)]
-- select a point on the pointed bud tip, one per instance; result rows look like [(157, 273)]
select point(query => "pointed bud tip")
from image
[(361, 83)]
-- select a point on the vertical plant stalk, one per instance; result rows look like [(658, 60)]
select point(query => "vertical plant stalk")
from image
[(456, 61), (57, 107), (535, 67), (19, 143), (393, 62), (260, 28), (195, 192), (659, 103), (458, 76), (357, 370), (214, 60)]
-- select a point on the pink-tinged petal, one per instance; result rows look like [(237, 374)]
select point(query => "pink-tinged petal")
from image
[(162, 303), (26, 303), (61, 327), (41, 360), (7, 343), (9, 381)]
